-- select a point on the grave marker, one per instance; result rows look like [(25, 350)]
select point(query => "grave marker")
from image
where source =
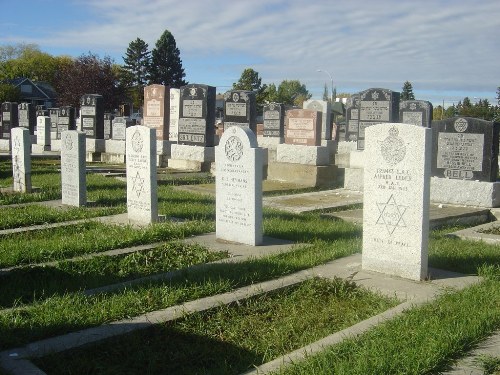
[(465, 148), (239, 163), (54, 121), (10, 118), (21, 159), (416, 112), (396, 199), (73, 173), (197, 115), (142, 199), (303, 127), (240, 109), (274, 120), (43, 127), (66, 120), (92, 116), (326, 114), (156, 110), (352, 118), (27, 116), (119, 127), (173, 130), (108, 119)]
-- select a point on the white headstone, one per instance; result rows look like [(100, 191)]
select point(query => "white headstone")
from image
[(239, 164), (173, 132), (21, 159), (396, 199), (73, 173), (142, 196), (43, 128)]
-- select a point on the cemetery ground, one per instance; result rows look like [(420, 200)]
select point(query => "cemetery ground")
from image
[(68, 277)]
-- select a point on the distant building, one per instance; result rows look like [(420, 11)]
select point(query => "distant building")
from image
[(36, 93)]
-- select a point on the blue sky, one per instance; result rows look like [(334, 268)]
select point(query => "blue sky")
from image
[(446, 49)]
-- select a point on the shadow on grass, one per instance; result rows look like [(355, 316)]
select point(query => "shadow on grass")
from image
[(147, 352)]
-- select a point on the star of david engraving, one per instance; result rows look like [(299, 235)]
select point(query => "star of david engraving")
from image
[(391, 215), (138, 184)]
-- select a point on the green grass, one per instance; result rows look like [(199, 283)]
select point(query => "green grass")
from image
[(28, 284), (243, 334), (490, 364)]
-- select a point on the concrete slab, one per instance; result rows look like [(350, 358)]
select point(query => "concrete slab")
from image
[(477, 233)]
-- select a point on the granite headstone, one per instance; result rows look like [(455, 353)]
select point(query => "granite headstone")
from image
[(303, 127), (325, 108), (92, 115), (156, 110), (240, 109), (416, 112), (54, 121), (21, 159), (27, 116), (173, 130), (10, 118), (73, 173), (274, 120), (352, 118), (66, 120)]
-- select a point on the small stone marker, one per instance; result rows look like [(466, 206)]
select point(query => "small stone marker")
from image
[(303, 127), (240, 109), (21, 159), (239, 162), (416, 112), (173, 130), (10, 118), (73, 173), (92, 116), (396, 200), (376, 106), (119, 127), (142, 196), (274, 120), (197, 115), (326, 114), (156, 110), (43, 128), (465, 148), (66, 120)]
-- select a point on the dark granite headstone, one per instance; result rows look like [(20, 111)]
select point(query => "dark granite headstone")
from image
[(157, 110), (108, 118), (352, 118), (54, 121), (40, 110), (274, 120), (416, 112), (465, 148), (66, 120), (376, 106), (240, 110), (92, 116), (10, 118), (197, 115), (27, 117)]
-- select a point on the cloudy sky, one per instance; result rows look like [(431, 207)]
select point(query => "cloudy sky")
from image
[(446, 49)]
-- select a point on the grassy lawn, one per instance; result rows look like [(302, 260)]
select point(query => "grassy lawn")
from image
[(42, 301)]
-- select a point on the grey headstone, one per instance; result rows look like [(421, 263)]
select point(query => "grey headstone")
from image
[(21, 159), (73, 169), (65, 120), (416, 112), (273, 115), (92, 116), (173, 131), (326, 115)]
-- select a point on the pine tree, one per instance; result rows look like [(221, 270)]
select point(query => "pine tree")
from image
[(326, 97), (407, 93), (166, 68), (135, 71)]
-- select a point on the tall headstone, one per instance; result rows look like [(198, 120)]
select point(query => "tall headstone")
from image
[(142, 198), (119, 127), (92, 115), (10, 118), (197, 115), (173, 130), (376, 106), (240, 109), (21, 159), (54, 121), (156, 110), (465, 148), (66, 120), (27, 117), (108, 119), (352, 118), (396, 199), (303, 127), (274, 120), (415, 112), (73, 173), (326, 115), (239, 163), (43, 127)]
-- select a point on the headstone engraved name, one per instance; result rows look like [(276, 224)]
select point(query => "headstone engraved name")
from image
[(197, 115), (119, 127), (239, 164), (10, 118), (73, 175), (274, 120), (465, 148), (396, 199), (156, 110), (21, 159), (27, 116), (326, 112), (142, 199), (376, 106), (303, 127), (66, 120), (240, 109), (416, 112), (92, 116), (173, 131)]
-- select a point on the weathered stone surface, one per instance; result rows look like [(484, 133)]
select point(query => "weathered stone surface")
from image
[(310, 155), (416, 112), (303, 127), (326, 115), (21, 159), (73, 169)]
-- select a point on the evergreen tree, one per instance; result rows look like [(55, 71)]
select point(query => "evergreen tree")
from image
[(166, 64), (135, 74), (407, 93), (326, 97)]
